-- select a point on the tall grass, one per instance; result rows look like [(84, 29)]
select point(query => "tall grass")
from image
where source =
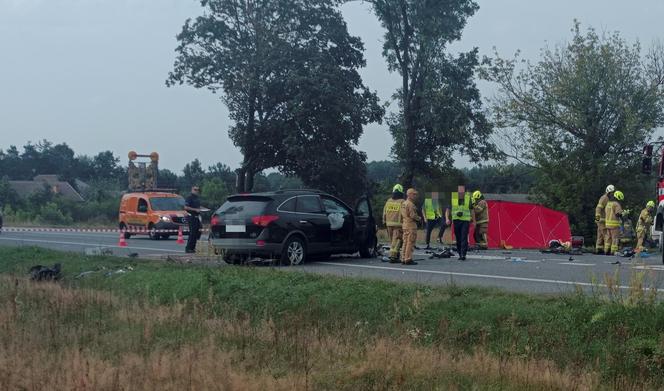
[(291, 330), (56, 338)]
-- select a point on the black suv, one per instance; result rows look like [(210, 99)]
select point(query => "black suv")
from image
[(291, 225)]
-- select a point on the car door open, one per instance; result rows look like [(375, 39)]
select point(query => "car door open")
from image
[(365, 227)]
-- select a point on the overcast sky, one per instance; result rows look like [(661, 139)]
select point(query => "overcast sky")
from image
[(91, 72)]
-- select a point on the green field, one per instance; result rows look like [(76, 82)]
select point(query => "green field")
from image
[(163, 325)]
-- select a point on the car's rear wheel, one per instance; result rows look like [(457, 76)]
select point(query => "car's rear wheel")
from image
[(123, 228), (294, 252)]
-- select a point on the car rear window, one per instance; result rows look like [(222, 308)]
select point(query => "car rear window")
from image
[(243, 206), (308, 204)]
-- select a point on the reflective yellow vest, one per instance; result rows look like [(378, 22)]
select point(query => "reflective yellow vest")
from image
[(464, 209), (429, 212)]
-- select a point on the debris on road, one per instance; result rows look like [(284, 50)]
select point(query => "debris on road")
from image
[(445, 253)]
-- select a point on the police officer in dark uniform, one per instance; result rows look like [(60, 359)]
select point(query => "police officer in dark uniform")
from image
[(193, 206)]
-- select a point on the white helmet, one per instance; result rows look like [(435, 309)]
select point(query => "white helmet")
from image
[(610, 189)]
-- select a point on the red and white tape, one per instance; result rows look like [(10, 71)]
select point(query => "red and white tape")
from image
[(136, 230)]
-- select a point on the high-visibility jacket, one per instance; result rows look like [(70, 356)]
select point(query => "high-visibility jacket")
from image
[(392, 212), (481, 211), (600, 208), (464, 208), (431, 213), (645, 220), (612, 213)]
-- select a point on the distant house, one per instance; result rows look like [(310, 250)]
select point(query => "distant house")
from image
[(62, 188)]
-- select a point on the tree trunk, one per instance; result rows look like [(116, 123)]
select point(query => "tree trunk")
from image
[(409, 142), (249, 181), (240, 179)]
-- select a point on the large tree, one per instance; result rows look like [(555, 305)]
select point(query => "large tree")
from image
[(287, 71), (581, 116), (440, 109)]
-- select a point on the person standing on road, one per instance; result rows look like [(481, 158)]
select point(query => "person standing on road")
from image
[(392, 220), (461, 217), (613, 214), (643, 225), (410, 217), (600, 219), (433, 216), (481, 219), (193, 206)]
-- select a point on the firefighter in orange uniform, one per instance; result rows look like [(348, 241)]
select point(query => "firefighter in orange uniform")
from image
[(643, 225), (613, 215), (481, 219), (392, 220), (410, 216), (600, 219)]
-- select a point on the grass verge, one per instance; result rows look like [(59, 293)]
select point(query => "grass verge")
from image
[(169, 326)]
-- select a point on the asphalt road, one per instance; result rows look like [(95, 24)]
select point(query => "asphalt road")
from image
[(516, 270)]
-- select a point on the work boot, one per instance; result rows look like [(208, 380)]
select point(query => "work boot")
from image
[(599, 252), (394, 260), (409, 263)]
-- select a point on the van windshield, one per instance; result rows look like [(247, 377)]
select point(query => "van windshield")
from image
[(167, 203)]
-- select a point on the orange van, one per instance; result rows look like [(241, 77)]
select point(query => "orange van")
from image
[(150, 212)]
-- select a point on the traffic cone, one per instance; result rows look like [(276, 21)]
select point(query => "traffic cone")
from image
[(122, 242), (180, 236)]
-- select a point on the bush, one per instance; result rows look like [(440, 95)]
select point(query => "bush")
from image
[(51, 214)]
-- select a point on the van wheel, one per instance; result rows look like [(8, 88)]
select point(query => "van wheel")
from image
[(294, 252), (123, 227), (152, 232)]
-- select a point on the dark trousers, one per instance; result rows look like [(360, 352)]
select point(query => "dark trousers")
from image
[(194, 232), (461, 229), (431, 224)]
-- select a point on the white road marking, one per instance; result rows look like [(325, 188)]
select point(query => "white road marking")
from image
[(523, 261), (88, 234), (487, 257), (91, 245), (576, 264), (649, 267), (486, 276)]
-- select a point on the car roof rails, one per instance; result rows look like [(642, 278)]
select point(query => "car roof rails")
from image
[(299, 190)]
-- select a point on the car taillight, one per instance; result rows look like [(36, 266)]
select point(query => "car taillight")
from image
[(215, 220), (264, 221), (260, 243)]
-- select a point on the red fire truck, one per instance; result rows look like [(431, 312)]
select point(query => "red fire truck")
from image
[(657, 231)]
